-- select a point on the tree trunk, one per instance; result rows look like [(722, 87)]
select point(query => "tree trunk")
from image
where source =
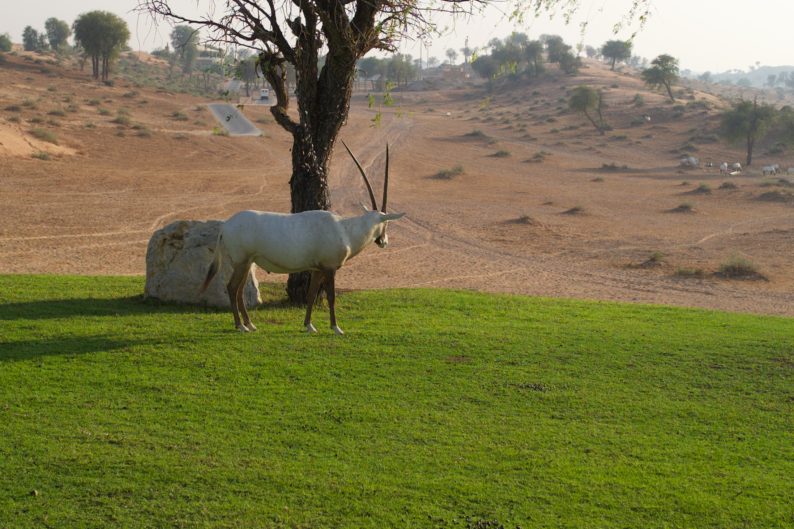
[(750, 145), (599, 129), (321, 117), (308, 191), (669, 91)]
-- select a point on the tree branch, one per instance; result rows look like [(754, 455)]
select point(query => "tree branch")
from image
[(272, 66)]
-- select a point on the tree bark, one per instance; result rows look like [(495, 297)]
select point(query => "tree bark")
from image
[(750, 145), (323, 104), (599, 129), (669, 91), (308, 191)]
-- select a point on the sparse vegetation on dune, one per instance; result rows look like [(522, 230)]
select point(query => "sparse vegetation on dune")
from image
[(477, 134), (702, 189), (576, 210), (777, 196), (44, 135), (501, 153), (538, 157), (690, 273), (449, 174), (525, 220), (614, 167), (686, 207), (738, 267)]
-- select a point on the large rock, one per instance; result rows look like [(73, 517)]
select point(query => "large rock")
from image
[(177, 261)]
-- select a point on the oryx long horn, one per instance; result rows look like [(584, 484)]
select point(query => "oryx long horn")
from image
[(385, 182), (366, 180)]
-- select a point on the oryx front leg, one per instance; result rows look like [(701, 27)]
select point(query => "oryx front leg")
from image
[(314, 289), (330, 292), (239, 274)]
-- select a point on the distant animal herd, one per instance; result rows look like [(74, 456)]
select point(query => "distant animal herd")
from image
[(736, 167)]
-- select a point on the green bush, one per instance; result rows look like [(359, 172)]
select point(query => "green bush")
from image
[(5, 43), (121, 120), (45, 135), (739, 267)]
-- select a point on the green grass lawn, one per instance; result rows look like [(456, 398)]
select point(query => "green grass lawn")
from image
[(437, 409)]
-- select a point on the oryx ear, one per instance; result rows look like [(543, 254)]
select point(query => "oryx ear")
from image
[(363, 206), (391, 216)]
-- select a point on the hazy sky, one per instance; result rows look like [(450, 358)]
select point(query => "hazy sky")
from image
[(713, 35)]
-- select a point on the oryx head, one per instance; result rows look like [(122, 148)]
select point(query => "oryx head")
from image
[(381, 218)]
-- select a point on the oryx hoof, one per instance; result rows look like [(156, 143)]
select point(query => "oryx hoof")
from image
[(311, 329), (337, 330), (251, 326), (242, 328)]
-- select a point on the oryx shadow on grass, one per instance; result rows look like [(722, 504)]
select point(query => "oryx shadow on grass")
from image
[(110, 307), (66, 345)]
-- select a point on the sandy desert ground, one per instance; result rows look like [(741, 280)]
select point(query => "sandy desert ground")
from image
[(543, 218)]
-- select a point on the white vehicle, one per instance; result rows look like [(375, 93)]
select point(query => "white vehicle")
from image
[(264, 94)]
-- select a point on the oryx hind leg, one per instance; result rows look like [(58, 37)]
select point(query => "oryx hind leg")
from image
[(239, 273), (241, 300), (314, 288)]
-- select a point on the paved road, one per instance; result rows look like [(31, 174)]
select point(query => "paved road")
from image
[(233, 120)]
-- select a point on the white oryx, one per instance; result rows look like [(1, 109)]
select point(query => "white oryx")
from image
[(770, 169), (317, 241)]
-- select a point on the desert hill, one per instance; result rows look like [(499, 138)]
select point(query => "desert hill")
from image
[(505, 190)]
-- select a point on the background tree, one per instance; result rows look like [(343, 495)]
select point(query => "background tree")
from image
[(486, 67), (663, 72), (246, 71), (30, 39), (43, 44), (555, 47), (5, 43), (749, 122), (296, 32), (58, 32), (591, 52), (184, 40), (569, 63), (452, 55), (587, 100), (616, 51), (466, 51), (534, 56), (102, 35), (400, 69)]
